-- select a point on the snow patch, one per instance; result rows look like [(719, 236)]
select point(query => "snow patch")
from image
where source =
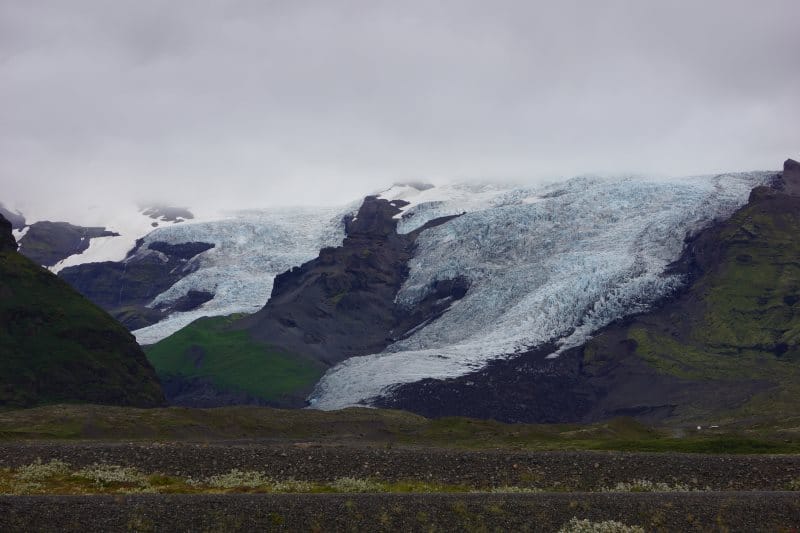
[(20, 233)]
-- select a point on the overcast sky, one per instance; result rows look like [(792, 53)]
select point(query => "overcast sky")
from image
[(247, 103)]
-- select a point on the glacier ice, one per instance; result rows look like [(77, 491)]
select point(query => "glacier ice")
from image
[(251, 248), (549, 263)]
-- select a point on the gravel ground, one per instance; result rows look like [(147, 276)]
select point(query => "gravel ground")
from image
[(701, 511), (559, 471)]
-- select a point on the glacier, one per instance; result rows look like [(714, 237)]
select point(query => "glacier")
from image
[(551, 263), (251, 248)]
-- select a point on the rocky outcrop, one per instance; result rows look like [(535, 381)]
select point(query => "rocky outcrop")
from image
[(56, 346), (47, 243), (726, 344), (791, 177), (16, 219), (165, 213), (342, 304), (7, 241), (125, 288)]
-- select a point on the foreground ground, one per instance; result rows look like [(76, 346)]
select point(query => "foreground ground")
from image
[(69, 468)]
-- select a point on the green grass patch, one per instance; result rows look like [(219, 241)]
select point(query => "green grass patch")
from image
[(386, 428), (232, 360)]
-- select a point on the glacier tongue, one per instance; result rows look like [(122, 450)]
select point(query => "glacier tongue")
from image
[(553, 263), (251, 248)]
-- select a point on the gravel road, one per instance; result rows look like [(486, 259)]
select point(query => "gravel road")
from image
[(560, 471), (700, 511)]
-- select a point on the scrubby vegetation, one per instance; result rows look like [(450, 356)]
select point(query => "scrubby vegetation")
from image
[(577, 525), (388, 428), (59, 477), (645, 485)]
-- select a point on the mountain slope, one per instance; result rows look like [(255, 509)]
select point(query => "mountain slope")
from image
[(546, 266), (340, 304), (56, 346), (47, 243), (727, 345)]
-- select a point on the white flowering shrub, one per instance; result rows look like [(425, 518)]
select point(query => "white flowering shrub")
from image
[(238, 479), (39, 470), (644, 485), (577, 525), (350, 484), (104, 475), (508, 489)]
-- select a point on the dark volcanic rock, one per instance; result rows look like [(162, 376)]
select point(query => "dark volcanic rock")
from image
[(47, 243), (7, 241), (16, 219), (342, 303), (168, 213), (184, 250), (791, 177), (189, 301), (125, 288)]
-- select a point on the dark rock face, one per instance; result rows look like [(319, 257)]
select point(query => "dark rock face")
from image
[(527, 388), (47, 243), (124, 288), (56, 346), (185, 250), (191, 300), (166, 213), (530, 388), (791, 177), (16, 219), (7, 241), (342, 303), (728, 335)]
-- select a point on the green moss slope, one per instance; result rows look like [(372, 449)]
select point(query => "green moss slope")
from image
[(56, 346), (739, 322), (232, 361)]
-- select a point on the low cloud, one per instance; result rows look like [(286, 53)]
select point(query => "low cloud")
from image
[(257, 103)]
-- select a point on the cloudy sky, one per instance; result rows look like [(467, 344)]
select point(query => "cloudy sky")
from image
[(247, 103)]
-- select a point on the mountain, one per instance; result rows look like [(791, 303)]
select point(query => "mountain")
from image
[(56, 346), (335, 306), (547, 267), (439, 282), (222, 265), (97, 261), (727, 345), (489, 300), (48, 243)]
